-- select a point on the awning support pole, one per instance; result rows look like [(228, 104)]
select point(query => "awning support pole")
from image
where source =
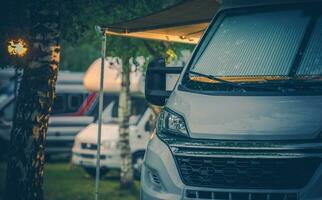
[(100, 110)]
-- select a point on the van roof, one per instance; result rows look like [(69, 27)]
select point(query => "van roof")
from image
[(70, 88), (226, 4)]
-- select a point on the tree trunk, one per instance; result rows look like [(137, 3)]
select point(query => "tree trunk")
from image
[(25, 167), (124, 143), (153, 119)]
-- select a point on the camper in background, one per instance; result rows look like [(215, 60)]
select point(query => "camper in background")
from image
[(73, 109)]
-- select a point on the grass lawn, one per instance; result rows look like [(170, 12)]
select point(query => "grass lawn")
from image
[(64, 181)]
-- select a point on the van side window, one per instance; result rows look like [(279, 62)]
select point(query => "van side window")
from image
[(115, 110), (74, 102), (8, 112), (138, 106), (148, 127)]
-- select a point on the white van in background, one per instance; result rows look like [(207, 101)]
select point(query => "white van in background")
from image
[(85, 146)]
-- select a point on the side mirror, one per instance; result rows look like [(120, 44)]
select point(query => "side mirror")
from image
[(156, 91)]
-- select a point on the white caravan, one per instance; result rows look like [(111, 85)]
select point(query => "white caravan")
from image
[(73, 109)]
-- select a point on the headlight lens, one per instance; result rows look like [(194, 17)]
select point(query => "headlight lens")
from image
[(170, 122), (109, 144)]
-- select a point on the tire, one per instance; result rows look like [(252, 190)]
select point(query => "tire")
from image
[(137, 161), (92, 171)]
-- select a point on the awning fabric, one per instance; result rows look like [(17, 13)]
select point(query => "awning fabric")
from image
[(184, 22)]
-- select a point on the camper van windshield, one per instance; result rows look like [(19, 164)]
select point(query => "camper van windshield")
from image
[(137, 108), (268, 46)]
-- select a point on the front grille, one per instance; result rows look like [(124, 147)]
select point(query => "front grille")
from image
[(91, 156), (89, 146), (87, 156), (242, 173), (197, 194)]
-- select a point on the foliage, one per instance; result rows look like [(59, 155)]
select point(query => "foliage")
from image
[(81, 44), (75, 184), (12, 26)]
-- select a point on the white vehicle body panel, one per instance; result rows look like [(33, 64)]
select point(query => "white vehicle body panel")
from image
[(249, 117), (139, 138)]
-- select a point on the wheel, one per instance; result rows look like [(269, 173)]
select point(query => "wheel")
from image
[(92, 171), (137, 162)]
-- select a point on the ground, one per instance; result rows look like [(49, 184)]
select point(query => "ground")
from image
[(65, 181)]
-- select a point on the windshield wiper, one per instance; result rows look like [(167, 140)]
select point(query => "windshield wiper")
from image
[(313, 78), (211, 77), (229, 83)]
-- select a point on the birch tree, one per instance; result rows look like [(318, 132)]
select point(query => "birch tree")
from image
[(25, 167), (126, 180)]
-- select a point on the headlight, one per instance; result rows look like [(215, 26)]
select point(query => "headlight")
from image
[(170, 122), (109, 144)]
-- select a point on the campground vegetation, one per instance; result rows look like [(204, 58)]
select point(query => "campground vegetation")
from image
[(65, 181)]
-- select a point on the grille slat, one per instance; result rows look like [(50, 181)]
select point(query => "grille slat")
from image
[(241, 173), (212, 195)]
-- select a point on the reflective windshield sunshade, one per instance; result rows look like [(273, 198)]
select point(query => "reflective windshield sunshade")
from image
[(312, 59), (262, 43)]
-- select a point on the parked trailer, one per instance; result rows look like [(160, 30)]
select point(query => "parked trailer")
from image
[(73, 109)]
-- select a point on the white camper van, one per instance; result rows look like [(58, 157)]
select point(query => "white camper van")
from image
[(244, 120), (85, 146)]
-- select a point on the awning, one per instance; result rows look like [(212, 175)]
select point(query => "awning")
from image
[(184, 22)]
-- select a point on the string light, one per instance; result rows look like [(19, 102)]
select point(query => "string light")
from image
[(17, 48)]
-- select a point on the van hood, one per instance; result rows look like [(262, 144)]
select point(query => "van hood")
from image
[(89, 134), (249, 117)]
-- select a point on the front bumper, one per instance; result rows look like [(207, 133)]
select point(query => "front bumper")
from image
[(87, 158), (160, 179)]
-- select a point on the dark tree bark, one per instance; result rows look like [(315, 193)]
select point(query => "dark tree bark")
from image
[(25, 167)]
